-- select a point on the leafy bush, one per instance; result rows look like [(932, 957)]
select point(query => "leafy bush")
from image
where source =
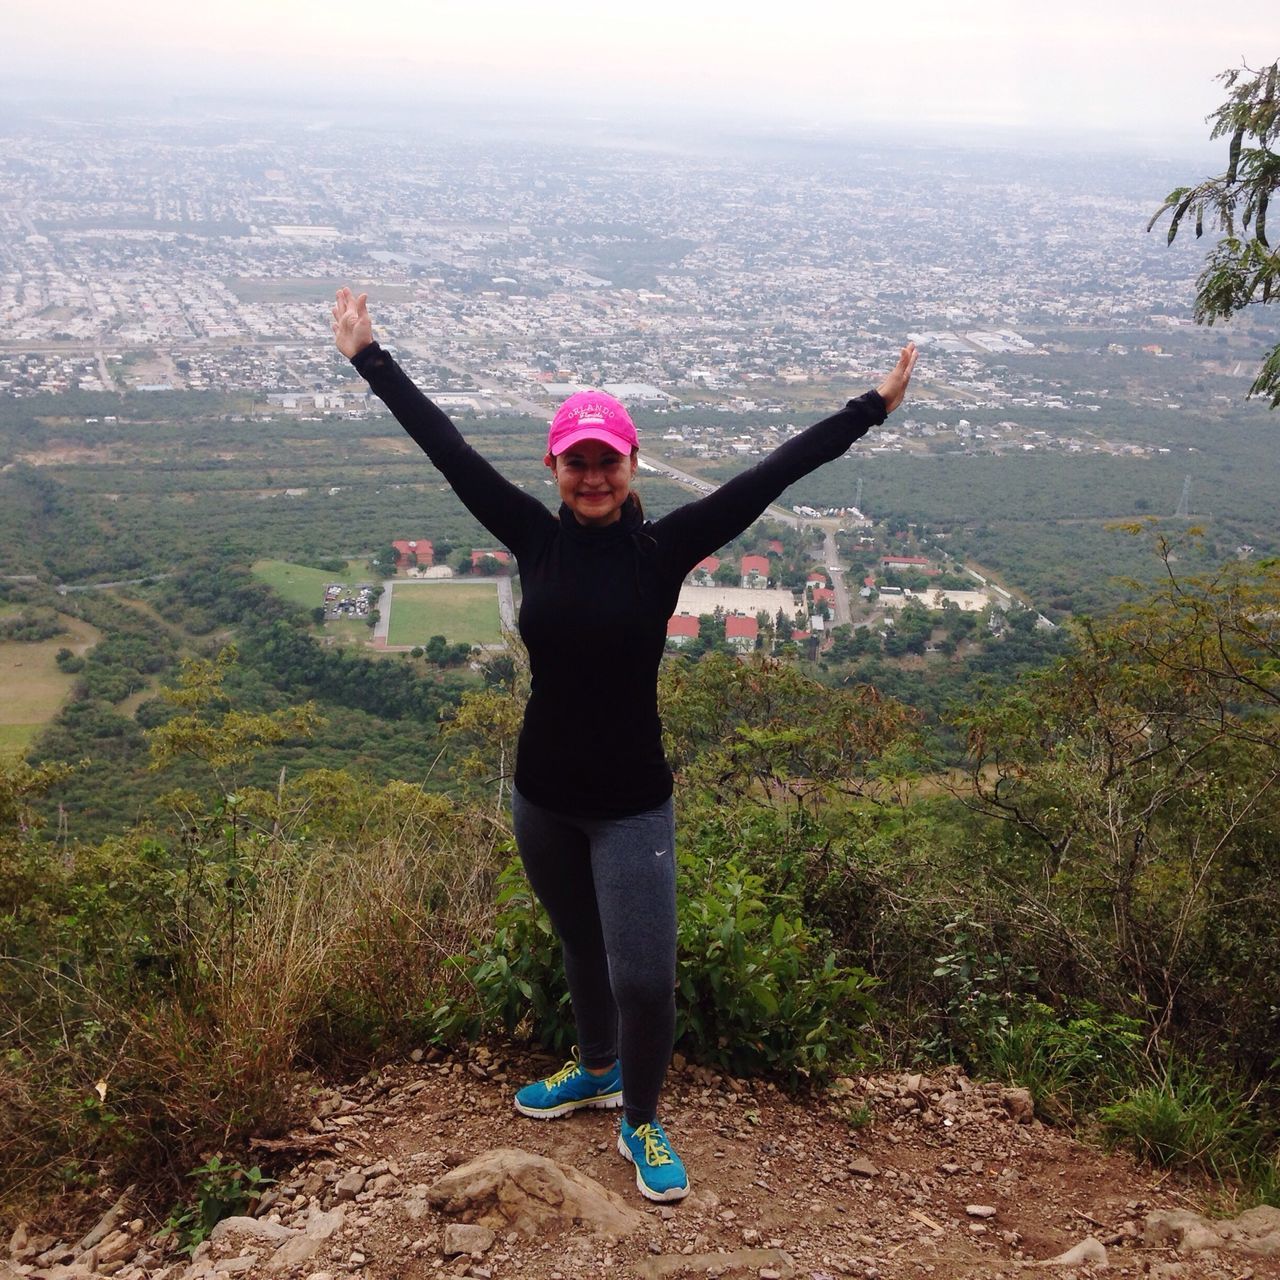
[(69, 661), (31, 625), (224, 1189), (757, 989)]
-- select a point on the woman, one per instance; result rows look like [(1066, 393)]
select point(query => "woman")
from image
[(592, 795)]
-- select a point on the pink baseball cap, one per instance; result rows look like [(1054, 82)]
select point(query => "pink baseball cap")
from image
[(592, 415)]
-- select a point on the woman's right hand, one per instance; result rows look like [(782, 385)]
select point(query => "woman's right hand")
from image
[(352, 328), (894, 387)]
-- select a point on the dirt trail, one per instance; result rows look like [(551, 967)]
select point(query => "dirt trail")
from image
[(882, 1177)]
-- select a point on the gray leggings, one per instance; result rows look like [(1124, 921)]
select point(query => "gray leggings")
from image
[(609, 886)]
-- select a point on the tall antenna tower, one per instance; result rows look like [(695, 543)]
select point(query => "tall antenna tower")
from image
[(857, 497), (1184, 503)]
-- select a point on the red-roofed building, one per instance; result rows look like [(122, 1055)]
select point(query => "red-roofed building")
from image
[(413, 552), (502, 557), (817, 578), (682, 628), (906, 562), (741, 632), (755, 571), (775, 545), (703, 573), (823, 595)]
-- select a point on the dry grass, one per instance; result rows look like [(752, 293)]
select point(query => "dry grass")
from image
[(340, 949)]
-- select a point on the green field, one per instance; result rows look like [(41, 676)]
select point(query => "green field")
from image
[(32, 689), (303, 586), (459, 611)]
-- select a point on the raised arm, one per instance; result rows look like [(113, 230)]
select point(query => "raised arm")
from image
[(699, 528), (509, 513)]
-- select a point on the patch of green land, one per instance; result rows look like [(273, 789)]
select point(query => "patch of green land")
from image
[(459, 611), (32, 689), (305, 586)]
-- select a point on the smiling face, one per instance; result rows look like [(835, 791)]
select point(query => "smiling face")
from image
[(594, 480)]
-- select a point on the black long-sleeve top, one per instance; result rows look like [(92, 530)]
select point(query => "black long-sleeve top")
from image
[(596, 599)]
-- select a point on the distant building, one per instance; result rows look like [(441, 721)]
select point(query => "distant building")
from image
[(682, 628), (413, 553), (755, 571), (741, 632), (636, 393), (502, 557), (703, 574)]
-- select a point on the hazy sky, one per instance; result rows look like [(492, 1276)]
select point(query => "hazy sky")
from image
[(1139, 67)]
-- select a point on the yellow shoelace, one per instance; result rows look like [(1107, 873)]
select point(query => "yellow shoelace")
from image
[(569, 1068), (656, 1151)]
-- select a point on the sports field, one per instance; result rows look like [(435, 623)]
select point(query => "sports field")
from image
[(459, 611), (32, 689), (303, 586)]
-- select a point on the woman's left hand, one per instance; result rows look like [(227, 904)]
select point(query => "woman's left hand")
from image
[(352, 328), (894, 387)]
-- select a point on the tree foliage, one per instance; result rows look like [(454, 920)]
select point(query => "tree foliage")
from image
[(1243, 268), (1139, 778)]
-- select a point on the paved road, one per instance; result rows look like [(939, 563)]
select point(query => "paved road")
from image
[(384, 610), (841, 587), (63, 589), (506, 605)]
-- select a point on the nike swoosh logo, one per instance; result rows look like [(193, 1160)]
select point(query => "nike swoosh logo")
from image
[(657, 853)]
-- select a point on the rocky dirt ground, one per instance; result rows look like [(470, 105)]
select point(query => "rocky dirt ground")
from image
[(424, 1170)]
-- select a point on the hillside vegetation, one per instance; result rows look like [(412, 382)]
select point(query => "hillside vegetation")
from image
[(1094, 914)]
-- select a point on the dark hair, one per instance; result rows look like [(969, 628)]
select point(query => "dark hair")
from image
[(635, 497)]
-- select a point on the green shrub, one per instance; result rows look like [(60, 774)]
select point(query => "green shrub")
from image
[(1071, 1064), (978, 985), (516, 976), (757, 989), (1184, 1121), (32, 625), (224, 1189), (162, 990)]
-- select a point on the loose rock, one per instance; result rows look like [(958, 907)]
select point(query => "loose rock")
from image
[(237, 1229), (1020, 1105), (467, 1237), (509, 1189), (1256, 1231), (1088, 1252)]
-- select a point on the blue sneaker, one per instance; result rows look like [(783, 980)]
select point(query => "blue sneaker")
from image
[(660, 1173), (570, 1089)]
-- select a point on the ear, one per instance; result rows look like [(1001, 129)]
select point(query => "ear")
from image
[(548, 461), (635, 459)]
